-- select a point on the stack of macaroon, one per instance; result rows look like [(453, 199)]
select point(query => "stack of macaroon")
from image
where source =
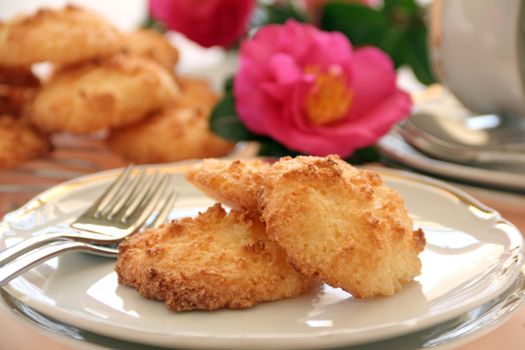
[(102, 79), (292, 224)]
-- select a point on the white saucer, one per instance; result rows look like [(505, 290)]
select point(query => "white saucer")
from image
[(447, 335), (394, 147)]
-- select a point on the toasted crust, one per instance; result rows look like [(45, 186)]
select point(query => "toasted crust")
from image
[(216, 260), (17, 89), (19, 142), (341, 225), (103, 94), (62, 36), (18, 76), (180, 131), (234, 183), (151, 45)]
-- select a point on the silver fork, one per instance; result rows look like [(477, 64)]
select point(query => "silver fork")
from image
[(121, 210), (43, 253), (46, 252), (53, 249)]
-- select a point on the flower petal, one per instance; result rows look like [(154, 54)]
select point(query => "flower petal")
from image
[(246, 97), (208, 23), (345, 139), (373, 79), (340, 51)]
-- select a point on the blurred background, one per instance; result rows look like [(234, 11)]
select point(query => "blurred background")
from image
[(461, 62)]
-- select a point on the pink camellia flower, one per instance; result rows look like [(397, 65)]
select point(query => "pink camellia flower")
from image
[(207, 22), (309, 90)]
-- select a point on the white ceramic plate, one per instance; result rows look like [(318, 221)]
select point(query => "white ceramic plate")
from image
[(447, 335), (394, 147), (472, 256)]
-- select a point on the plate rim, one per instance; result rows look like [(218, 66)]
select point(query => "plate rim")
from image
[(418, 161), (512, 300)]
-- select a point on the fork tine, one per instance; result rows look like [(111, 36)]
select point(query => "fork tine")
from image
[(152, 181), (125, 195), (149, 203), (111, 191), (164, 210)]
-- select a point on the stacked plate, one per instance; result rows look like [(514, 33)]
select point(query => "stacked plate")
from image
[(443, 138), (471, 282), (395, 147)]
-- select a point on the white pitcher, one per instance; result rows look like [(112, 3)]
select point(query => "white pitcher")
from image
[(478, 52)]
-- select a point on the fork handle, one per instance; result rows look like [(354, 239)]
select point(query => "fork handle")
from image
[(39, 255), (9, 254)]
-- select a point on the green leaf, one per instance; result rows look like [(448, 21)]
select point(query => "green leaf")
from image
[(415, 51), (408, 7), (281, 12), (228, 85), (365, 26), (397, 28), (277, 13), (362, 25), (271, 148), (364, 155), (225, 122), (153, 24), (390, 44)]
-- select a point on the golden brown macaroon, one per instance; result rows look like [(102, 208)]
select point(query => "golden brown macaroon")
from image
[(196, 93), (176, 133), (216, 260), (18, 76), (151, 45), (16, 100), (234, 183), (341, 225), (98, 95), (180, 131), (19, 142), (17, 89), (63, 36)]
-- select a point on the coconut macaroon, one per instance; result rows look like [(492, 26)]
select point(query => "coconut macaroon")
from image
[(234, 183), (177, 132), (63, 36), (151, 45), (216, 260), (19, 142), (341, 225), (18, 86), (102, 94), (196, 93), (18, 76)]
